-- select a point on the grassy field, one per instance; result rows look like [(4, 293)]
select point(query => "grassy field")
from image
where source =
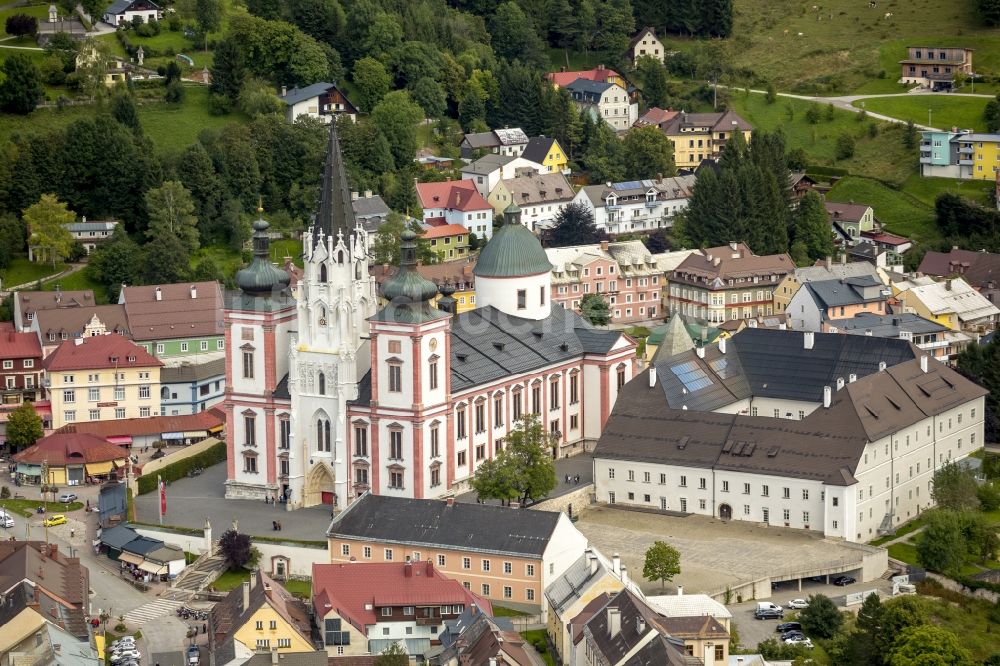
[(230, 580), (77, 281), (39, 11), (973, 620), (22, 271), (882, 156), (946, 111), (538, 638), (904, 552), (926, 190), (27, 508), (172, 127), (299, 588), (900, 213)]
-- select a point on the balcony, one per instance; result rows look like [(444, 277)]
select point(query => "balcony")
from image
[(965, 149), (926, 160), (653, 204), (965, 162)]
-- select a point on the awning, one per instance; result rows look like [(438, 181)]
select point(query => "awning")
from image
[(194, 433), (120, 439), (172, 435), (99, 468), (131, 558), (153, 568), (217, 428)]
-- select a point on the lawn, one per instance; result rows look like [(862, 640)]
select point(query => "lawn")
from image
[(286, 247), (973, 620), (173, 127), (27, 507), (227, 259), (926, 190), (230, 580), (882, 156), (21, 271), (299, 588), (905, 529), (540, 641), (904, 552), (39, 11), (503, 611), (77, 281), (900, 213), (946, 111)]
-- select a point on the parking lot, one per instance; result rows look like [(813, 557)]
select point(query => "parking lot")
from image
[(714, 554)]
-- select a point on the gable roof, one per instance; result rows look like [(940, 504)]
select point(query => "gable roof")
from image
[(535, 188), (980, 269), (230, 614), (185, 310), (34, 301), (953, 295), (648, 30), (452, 194), (99, 351), (588, 570), (19, 345), (296, 95), (118, 536), (655, 116), (443, 230), (65, 581), (724, 121), (72, 321), (563, 79), (473, 527), (538, 148), (65, 448), (661, 650), (848, 291), (734, 261), (846, 212), (666, 189), (121, 6)]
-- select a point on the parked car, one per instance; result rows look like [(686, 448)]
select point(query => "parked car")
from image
[(5, 520), (798, 604), (769, 614), (125, 642), (193, 655), (125, 655), (54, 519), (788, 626), (788, 635), (841, 581), (67, 498), (800, 641), (157, 454)]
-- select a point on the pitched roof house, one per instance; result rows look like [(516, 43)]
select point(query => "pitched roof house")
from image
[(702, 136), (320, 100), (816, 303), (507, 141), (954, 303), (27, 304), (645, 44), (160, 312), (980, 269), (850, 220), (457, 202), (637, 205), (53, 327), (539, 196), (59, 585), (547, 152)]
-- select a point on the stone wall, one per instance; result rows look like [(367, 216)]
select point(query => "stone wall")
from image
[(579, 500)]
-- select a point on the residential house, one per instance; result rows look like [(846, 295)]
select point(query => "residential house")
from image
[(980, 269), (30, 639), (122, 12), (932, 337), (457, 275), (703, 636), (188, 387), (624, 273), (476, 638), (637, 205), (575, 625), (370, 210), (500, 553), (21, 373), (627, 631), (609, 102), (55, 326), (935, 67), (943, 156), (645, 44), (726, 283), (601, 74), (868, 251), (303, 659), (979, 156), (655, 116), (691, 605), (850, 221), (111, 376), (448, 241), (258, 616), (954, 303), (799, 184), (91, 234), (457, 202), (891, 246), (821, 270), (28, 303), (539, 196), (320, 100), (547, 152), (363, 608), (592, 575), (488, 170), (816, 303), (56, 586), (435, 162), (702, 136), (757, 414), (508, 141)]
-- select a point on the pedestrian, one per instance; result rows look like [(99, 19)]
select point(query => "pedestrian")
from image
[(72, 532), (204, 628), (279, 525), (274, 525)]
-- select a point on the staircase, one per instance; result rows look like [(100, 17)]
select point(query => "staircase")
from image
[(199, 574)]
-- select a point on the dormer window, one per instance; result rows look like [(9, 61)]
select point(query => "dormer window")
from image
[(131, 359)]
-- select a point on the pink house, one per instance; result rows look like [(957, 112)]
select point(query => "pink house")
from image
[(815, 304), (457, 202)]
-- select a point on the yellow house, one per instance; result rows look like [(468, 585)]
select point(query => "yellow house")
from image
[(952, 303), (547, 152), (20, 630), (703, 136), (586, 579), (101, 377), (259, 616), (457, 274), (981, 154), (784, 291)]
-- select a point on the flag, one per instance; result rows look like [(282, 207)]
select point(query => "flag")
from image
[(163, 497)]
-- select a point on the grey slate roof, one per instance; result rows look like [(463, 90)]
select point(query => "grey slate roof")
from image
[(482, 139), (835, 271), (850, 291), (887, 326), (537, 148), (487, 164), (575, 581), (589, 88), (336, 212), (420, 522), (118, 536), (118, 6), (296, 95), (142, 545)]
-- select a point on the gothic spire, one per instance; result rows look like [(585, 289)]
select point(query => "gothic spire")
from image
[(336, 212)]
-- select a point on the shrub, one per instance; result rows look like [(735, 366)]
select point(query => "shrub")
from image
[(175, 92), (5, 493), (178, 470)]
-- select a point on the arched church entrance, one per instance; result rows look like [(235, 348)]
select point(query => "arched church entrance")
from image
[(725, 512), (319, 486)]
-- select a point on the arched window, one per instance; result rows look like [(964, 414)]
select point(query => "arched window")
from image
[(322, 384), (322, 272), (340, 257), (357, 270), (323, 435)]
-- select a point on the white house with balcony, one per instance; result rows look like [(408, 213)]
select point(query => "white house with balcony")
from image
[(638, 205)]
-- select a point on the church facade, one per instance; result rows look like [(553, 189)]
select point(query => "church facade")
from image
[(330, 396)]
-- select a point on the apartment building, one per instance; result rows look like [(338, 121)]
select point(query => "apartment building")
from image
[(702, 136), (638, 205)]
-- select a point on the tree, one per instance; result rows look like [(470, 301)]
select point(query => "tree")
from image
[(656, 86), (257, 98), (208, 14), (910, 135), (928, 645), (954, 487), (47, 221), (989, 12), (524, 468), (228, 70), (427, 93), (396, 117), (821, 617), (662, 563), (372, 81), (123, 110), (647, 153), (574, 225), (514, 36), (393, 655), (941, 546), (770, 95), (24, 427), (11, 237), (171, 214), (863, 643), (991, 114), (21, 89), (165, 260), (812, 114), (897, 615), (811, 227), (21, 25), (115, 262), (845, 146), (595, 309), (385, 245), (236, 549)]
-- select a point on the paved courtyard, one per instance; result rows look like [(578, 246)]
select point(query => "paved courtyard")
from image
[(191, 500), (713, 554), (567, 471)]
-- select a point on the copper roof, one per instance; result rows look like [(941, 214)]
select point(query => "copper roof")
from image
[(185, 310)]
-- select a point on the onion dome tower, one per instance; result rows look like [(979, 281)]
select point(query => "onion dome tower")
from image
[(261, 277)]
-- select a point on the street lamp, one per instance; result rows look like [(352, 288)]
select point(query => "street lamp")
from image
[(929, 123)]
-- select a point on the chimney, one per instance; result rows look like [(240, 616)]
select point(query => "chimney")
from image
[(947, 284), (851, 378), (881, 366), (659, 177), (450, 500), (722, 345), (680, 590), (782, 326), (829, 262), (83, 218), (614, 622), (368, 194), (808, 339), (592, 562), (408, 568), (827, 397), (640, 625), (284, 91), (604, 246), (840, 383), (652, 377), (752, 323), (616, 563), (159, 294), (194, 292), (869, 332), (624, 575), (354, 196), (246, 595), (700, 351), (923, 363)]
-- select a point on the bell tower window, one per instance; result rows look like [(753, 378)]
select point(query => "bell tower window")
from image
[(322, 383), (322, 273)]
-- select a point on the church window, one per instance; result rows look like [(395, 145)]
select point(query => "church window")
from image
[(396, 479), (554, 394), (432, 372), (340, 256), (322, 383), (395, 346), (286, 434), (460, 423), (322, 273), (360, 440), (322, 435), (498, 411), (435, 477), (395, 377), (621, 376), (361, 476), (516, 403), (574, 388), (250, 462), (480, 416), (250, 430), (248, 364), (435, 442), (522, 299), (536, 399), (541, 295), (396, 444)]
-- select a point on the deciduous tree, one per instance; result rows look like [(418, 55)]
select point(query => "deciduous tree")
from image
[(47, 222), (385, 245), (954, 487), (171, 214), (115, 262), (396, 117), (595, 309), (574, 225), (236, 549), (21, 87), (647, 153), (524, 465), (393, 655), (662, 563), (24, 427), (821, 617), (21, 25), (372, 81), (941, 546), (928, 645)]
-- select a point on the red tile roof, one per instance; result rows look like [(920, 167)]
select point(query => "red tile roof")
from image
[(455, 194), (355, 590), (99, 351), (154, 425), (656, 116), (19, 345), (440, 231), (563, 79), (886, 238), (62, 448)]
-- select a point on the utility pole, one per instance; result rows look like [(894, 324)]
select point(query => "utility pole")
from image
[(929, 112)]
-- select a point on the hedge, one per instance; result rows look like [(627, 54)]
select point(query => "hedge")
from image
[(178, 470)]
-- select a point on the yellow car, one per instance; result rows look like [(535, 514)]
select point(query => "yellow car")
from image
[(55, 519)]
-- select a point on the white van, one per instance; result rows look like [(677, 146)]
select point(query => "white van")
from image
[(5, 520), (767, 606)]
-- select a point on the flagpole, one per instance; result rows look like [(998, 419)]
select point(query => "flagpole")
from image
[(160, 492)]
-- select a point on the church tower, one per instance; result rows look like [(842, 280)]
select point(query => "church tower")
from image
[(330, 352)]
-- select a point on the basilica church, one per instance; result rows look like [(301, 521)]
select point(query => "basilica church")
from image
[(334, 390)]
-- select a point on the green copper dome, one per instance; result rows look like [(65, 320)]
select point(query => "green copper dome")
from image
[(513, 251), (261, 277), (407, 285)]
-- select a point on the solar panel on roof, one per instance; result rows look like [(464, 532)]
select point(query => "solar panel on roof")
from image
[(722, 368), (691, 376), (629, 185)]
